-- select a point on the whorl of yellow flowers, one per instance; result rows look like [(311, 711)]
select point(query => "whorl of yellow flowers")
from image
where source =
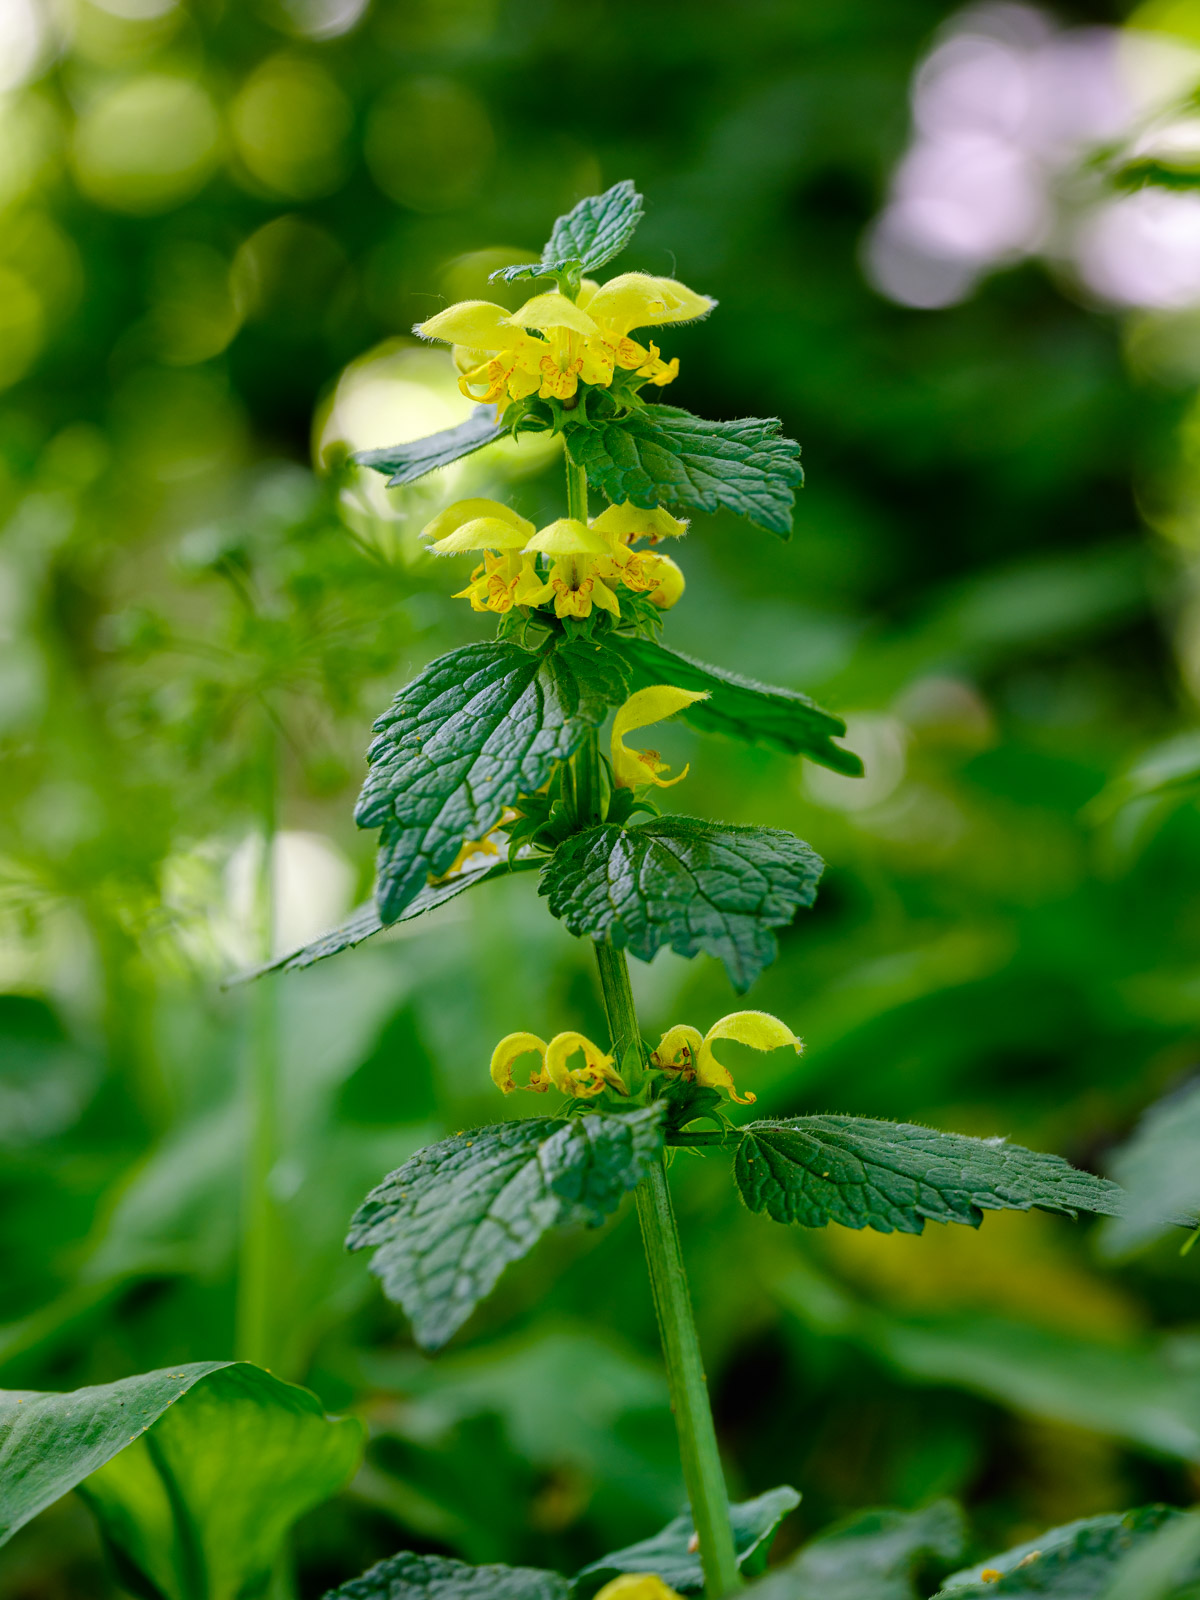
[(568, 565), (552, 343)]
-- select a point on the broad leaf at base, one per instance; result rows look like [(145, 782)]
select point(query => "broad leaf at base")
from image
[(411, 1577), (870, 1556), (1076, 1562), (670, 1553), (892, 1176), (688, 884), (448, 1222)]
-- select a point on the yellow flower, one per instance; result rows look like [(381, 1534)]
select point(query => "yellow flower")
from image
[(684, 1049), (595, 1075), (643, 571), (628, 522), (574, 581), (637, 1586), (506, 577), (551, 343), (633, 768)]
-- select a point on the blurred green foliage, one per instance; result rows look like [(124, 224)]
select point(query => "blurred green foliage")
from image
[(213, 212)]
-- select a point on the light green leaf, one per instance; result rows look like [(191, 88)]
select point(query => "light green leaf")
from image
[(685, 883), (473, 731), (1160, 1170), (870, 1556), (446, 1224), (1074, 1562), (195, 1474), (405, 463), (661, 453), (595, 231), (739, 708), (412, 1577), (892, 1176), (365, 922), (671, 1555)]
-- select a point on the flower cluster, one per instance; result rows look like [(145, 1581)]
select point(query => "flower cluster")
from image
[(553, 343), (682, 1052), (569, 566)]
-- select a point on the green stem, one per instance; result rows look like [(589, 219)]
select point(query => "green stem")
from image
[(577, 491), (698, 1451), (261, 1243)]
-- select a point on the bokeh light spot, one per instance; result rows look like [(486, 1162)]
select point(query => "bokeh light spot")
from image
[(147, 144), (290, 123), (22, 326), (430, 144)]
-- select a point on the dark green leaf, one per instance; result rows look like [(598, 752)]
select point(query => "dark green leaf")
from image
[(195, 1474), (595, 231), (661, 453), (670, 1553), (363, 923), (741, 709), (892, 1176), (411, 1577), (688, 884), (1074, 1562), (477, 728), (1160, 1171), (448, 1222), (871, 1556), (405, 463)]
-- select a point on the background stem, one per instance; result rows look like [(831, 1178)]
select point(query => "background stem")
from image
[(698, 1451)]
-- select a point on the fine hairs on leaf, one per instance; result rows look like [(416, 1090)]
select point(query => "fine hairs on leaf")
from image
[(662, 455), (448, 1222), (894, 1176), (588, 237), (688, 884)]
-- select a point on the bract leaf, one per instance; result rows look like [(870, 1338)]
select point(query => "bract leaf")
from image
[(405, 463), (671, 1555), (1075, 1562), (662, 453), (469, 734), (870, 1556), (365, 921), (446, 1224), (593, 232), (740, 708), (195, 1474), (892, 1176), (685, 883), (411, 1577)]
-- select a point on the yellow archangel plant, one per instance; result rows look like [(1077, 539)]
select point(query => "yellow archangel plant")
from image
[(511, 755)]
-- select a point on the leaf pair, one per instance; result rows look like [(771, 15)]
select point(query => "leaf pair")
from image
[(195, 1474)]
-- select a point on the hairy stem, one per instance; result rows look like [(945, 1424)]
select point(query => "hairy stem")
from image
[(698, 1452), (577, 491)]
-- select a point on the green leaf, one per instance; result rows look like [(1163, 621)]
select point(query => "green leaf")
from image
[(195, 1474), (595, 231), (892, 1176), (405, 463), (688, 884), (739, 708), (412, 1577), (671, 1555), (448, 1222), (661, 453), (1160, 1171), (477, 728), (1074, 1562), (871, 1556), (364, 922)]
